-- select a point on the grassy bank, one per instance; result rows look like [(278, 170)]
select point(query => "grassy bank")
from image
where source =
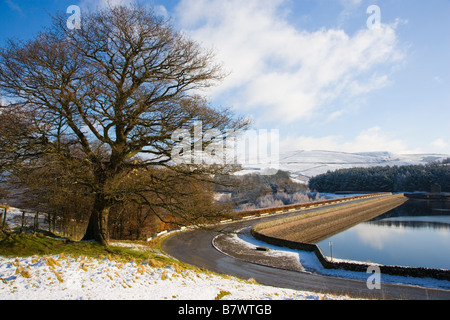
[(26, 245)]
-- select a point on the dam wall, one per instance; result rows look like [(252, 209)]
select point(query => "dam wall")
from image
[(317, 225)]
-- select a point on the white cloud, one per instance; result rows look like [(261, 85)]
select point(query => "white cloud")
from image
[(374, 139), (14, 6), (279, 71), (350, 3), (440, 144), (437, 79), (371, 140), (349, 8), (329, 143), (161, 11)]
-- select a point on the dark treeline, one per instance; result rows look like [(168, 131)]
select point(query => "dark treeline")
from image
[(386, 179)]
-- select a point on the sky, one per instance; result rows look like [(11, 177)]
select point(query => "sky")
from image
[(337, 75)]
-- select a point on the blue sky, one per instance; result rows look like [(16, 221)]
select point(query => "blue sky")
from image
[(312, 68)]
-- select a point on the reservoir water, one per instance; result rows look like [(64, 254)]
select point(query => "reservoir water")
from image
[(417, 234)]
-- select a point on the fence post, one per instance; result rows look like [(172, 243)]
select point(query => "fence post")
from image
[(54, 222), (23, 221), (4, 218), (36, 222), (49, 222)]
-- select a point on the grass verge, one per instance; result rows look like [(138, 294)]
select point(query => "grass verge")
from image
[(23, 245), (27, 245)]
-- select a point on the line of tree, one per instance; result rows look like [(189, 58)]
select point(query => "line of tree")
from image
[(87, 118), (385, 179)]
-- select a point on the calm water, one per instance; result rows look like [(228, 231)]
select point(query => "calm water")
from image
[(416, 234)]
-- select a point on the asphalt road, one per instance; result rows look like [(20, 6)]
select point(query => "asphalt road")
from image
[(195, 248)]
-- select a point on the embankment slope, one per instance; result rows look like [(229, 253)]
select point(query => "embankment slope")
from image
[(316, 226)]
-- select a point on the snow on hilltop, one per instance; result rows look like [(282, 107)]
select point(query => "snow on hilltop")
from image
[(306, 164)]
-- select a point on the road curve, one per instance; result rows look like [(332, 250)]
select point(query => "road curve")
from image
[(195, 247)]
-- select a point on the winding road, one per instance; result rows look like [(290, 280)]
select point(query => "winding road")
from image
[(195, 247)]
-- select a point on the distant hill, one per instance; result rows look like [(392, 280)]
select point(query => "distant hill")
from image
[(303, 165)]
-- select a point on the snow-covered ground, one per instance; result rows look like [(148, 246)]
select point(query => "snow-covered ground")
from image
[(61, 277)]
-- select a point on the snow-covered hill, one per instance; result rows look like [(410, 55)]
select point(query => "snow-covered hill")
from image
[(306, 164)]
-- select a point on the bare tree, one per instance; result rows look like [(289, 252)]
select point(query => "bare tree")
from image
[(19, 140), (115, 91)]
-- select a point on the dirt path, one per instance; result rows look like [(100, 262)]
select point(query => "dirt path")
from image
[(319, 225)]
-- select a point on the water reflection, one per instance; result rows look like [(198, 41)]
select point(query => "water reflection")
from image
[(414, 223), (415, 234), (418, 214)]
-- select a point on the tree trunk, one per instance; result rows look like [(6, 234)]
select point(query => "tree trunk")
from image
[(97, 229)]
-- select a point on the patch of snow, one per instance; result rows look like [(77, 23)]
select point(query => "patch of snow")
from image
[(81, 278)]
